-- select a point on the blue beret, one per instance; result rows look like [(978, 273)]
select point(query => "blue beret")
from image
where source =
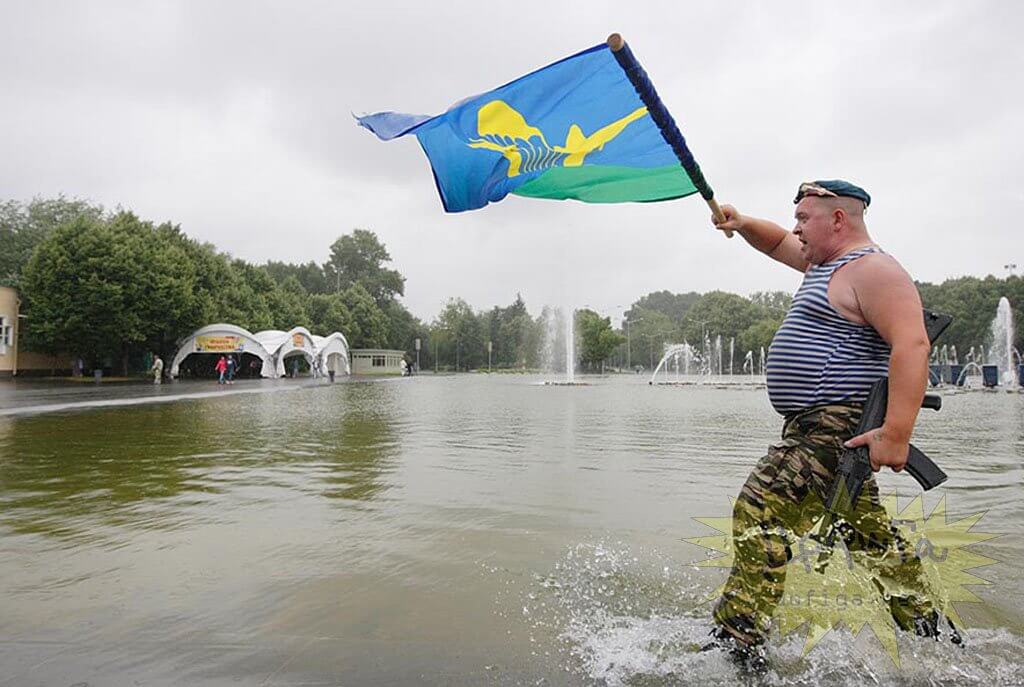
[(832, 188)]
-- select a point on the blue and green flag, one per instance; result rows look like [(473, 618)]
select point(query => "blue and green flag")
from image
[(574, 129)]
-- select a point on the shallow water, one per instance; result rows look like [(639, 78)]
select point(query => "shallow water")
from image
[(434, 530)]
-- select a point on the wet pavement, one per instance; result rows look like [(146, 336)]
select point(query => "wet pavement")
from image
[(31, 396)]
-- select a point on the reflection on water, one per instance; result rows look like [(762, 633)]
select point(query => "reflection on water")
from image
[(454, 530), (80, 475)]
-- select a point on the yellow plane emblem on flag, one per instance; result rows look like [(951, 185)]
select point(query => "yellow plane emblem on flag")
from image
[(504, 130)]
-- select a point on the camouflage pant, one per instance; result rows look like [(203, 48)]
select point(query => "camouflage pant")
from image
[(782, 500)]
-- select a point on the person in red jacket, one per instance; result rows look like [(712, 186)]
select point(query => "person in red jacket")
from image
[(221, 367)]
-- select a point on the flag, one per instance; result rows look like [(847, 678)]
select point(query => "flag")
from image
[(574, 129)]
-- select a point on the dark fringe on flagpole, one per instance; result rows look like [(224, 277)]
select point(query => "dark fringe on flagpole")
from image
[(659, 113)]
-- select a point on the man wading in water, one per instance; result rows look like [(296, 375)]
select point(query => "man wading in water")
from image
[(855, 318)]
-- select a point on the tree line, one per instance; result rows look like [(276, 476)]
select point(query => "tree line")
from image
[(109, 286)]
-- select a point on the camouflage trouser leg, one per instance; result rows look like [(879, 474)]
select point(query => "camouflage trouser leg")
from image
[(782, 500)]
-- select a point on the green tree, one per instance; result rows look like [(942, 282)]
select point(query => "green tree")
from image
[(972, 302), (533, 342), (369, 324), (674, 306), (248, 297), (403, 327), (458, 336), (650, 331), (169, 303), (718, 313), (597, 340), (105, 289), (24, 226), (309, 274), (328, 314), (359, 258), (509, 329), (758, 335), (288, 304), (774, 303)]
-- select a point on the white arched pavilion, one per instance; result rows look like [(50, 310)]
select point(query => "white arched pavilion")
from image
[(271, 346), (332, 353), (295, 341), (223, 339)]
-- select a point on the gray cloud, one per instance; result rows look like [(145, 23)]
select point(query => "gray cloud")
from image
[(234, 119)]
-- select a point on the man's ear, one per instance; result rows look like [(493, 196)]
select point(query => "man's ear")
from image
[(839, 219)]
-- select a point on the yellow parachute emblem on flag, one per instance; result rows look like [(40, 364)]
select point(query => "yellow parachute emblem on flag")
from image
[(504, 130)]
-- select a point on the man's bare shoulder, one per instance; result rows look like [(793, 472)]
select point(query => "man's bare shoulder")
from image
[(887, 299), (875, 269), (867, 283)]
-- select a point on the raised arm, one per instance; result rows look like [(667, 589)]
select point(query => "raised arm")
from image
[(766, 236)]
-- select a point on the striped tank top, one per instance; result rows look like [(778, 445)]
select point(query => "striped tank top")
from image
[(818, 356)]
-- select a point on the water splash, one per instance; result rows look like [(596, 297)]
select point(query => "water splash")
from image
[(629, 616)]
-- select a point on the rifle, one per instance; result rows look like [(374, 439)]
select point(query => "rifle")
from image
[(854, 467)]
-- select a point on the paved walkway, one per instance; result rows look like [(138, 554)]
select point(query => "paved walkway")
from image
[(27, 397)]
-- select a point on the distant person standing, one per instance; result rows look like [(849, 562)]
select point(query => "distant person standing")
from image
[(157, 369), (232, 365), (221, 367)]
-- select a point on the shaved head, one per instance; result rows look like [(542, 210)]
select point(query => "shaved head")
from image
[(852, 207), (854, 210)]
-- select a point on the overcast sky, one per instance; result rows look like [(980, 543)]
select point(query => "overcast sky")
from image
[(234, 120)]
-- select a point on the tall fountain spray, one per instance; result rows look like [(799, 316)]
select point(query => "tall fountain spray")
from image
[(1001, 350), (570, 346), (718, 353), (548, 350)]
